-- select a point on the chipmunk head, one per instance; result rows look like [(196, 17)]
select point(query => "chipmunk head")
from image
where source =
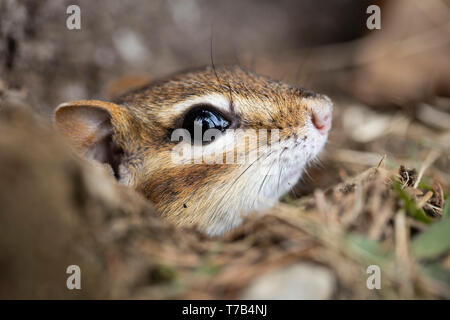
[(206, 147)]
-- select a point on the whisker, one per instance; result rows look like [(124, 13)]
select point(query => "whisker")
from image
[(308, 175), (230, 91), (293, 191), (281, 170), (263, 182), (242, 173), (250, 151)]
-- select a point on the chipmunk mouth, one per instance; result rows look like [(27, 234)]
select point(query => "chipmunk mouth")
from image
[(322, 115)]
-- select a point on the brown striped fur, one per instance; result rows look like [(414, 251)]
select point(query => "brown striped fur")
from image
[(211, 196)]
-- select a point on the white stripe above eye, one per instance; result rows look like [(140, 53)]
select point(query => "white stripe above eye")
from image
[(217, 100)]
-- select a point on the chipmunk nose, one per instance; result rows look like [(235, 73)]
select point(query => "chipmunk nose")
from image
[(322, 115)]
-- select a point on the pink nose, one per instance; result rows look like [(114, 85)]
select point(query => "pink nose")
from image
[(321, 117)]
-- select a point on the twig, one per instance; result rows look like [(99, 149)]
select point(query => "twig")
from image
[(358, 206), (425, 198), (381, 161), (432, 156), (402, 254), (381, 220)]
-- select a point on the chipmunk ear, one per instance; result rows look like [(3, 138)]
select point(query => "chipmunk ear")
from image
[(89, 126)]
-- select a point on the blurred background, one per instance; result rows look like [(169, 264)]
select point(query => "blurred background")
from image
[(391, 89), (324, 45)]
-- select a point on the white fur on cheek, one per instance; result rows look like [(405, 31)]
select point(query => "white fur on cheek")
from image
[(260, 186)]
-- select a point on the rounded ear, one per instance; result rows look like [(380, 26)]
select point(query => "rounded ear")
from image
[(89, 125)]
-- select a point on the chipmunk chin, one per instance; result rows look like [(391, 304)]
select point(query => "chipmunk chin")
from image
[(271, 180)]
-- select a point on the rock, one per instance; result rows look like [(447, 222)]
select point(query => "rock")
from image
[(302, 281)]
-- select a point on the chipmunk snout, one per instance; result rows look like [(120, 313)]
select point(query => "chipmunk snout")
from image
[(322, 115)]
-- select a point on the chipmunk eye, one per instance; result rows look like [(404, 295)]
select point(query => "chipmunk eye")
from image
[(202, 119)]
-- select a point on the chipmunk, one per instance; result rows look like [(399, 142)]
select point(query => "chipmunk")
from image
[(133, 135)]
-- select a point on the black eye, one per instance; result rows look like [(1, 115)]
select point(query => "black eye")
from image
[(201, 119)]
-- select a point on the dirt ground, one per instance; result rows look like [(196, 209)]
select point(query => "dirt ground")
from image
[(378, 197)]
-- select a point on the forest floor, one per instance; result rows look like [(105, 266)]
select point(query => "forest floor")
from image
[(377, 199), (370, 221)]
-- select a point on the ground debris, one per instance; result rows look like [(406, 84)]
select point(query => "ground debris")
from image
[(408, 176), (128, 251)]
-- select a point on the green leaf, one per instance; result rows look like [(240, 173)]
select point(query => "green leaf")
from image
[(410, 205), (423, 185), (433, 242), (437, 272), (446, 210), (366, 248)]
